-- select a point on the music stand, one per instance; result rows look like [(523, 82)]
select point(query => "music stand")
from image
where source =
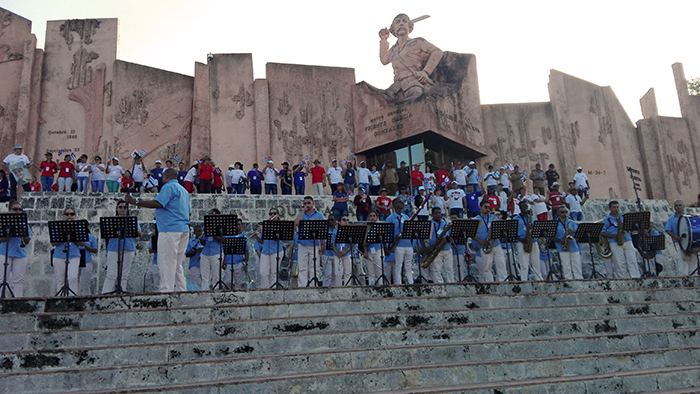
[(546, 229), (12, 225), (460, 231), (220, 226), (313, 230), (67, 231), (352, 234), (278, 230), (234, 246), (590, 233), (653, 244), (379, 233), (506, 231), (120, 228), (635, 221), (420, 230)]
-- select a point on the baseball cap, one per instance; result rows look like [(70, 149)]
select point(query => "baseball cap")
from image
[(270, 162), (579, 168), (231, 166), (17, 146), (115, 158), (317, 161), (421, 188), (471, 163), (382, 190), (159, 162), (555, 184), (334, 160)]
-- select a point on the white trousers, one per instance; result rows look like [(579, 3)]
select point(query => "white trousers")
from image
[(85, 279), (209, 269), (685, 263), (267, 270), (404, 259), (64, 184), (111, 276), (318, 188), (305, 262), (486, 262), (344, 270), (330, 270), (59, 270), (15, 271), (238, 273), (374, 266), (171, 256), (156, 276), (624, 260), (528, 260), (571, 265), (442, 268)]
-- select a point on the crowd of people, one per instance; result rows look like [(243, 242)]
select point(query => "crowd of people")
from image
[(393, 196)]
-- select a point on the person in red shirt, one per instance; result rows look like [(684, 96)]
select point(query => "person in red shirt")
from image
[(494, 201), (417, 178), (48, 169), (127, 182), (217, 179), (205, 172), (35, 186), (317, 177), (556, 199), (440, 175), (65, 175), (384, 205)]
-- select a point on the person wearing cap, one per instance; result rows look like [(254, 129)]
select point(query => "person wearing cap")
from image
[(255, 176), (390, 178), (334, 176), (473, 177), (318, 179), (286, 179), (158, 173), (270, 174), (114, 172), (457, 200), (48, 169), (14, 158), (552, 176), (227, 177), (404, 247), (383, 203), (363, 177), (581, 180), (538, 178), (461, 176), (556, 199), (516, 179), (574, 202), (205, 172), (417, 178)]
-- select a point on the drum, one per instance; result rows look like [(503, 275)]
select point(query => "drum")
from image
[(689, 231)]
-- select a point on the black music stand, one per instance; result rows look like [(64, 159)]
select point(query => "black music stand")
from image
[(461, 230), (352, 234), (12, 225), (278, 230), (316, 229), (506, 231), (420, 230), (233, 246), (379, 233), (220, 226), (120, 228), (546, 229), (590, 233), (635, 221), (652, 244), (67, 231)]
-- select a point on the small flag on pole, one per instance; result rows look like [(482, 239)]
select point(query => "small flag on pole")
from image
[(352, 154), (110, 156), (143, 152), (177, 159), (525, 173), (60, 153), (72, 156)]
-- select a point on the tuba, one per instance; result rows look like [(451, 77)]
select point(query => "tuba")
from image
[(433, 251)]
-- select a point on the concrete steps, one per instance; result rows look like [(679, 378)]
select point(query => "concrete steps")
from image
[(437, 338)]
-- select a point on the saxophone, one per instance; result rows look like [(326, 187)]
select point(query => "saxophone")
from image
[(488, 247), (433, 251), (621, 237), (527, 244), (567, 239)]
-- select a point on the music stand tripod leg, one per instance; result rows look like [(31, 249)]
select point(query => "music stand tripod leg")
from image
[(220, 285), (277, 283), (315, 278), (66, 290), (4, 284)]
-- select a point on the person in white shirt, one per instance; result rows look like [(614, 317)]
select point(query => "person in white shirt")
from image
[(503, 197), (190, 179), (363, 175), (11, 159), (335, 175), (540, 204), (574, 201), (83, 171), (581, 180), (139, 169), (97, 175), (505, 180), (270, 173), (151, 185), (114, 172), (492, 177), (460, 176), (457, 200)]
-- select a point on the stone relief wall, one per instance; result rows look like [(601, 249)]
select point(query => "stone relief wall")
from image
[(310, 112), (521, 134), (152, 111), (80, 55)]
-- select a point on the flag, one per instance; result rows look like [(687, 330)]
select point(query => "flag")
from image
[(510, 167), (352, 154), (383, 166), (525, 173), (143, 152), (60, 153), (177, 159), (110, 156), (72, 156), (344, 162), (478, 177), (496, 174), (303, 163), (267, 158), (445, 182), (306, 158)]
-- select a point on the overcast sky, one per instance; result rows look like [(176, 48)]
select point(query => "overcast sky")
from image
[(628, 45)]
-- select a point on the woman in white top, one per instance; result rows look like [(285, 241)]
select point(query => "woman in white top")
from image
[(540, 203), (429, 179), (375, 180), (97, 172), (114, 172), (83, 177), (138, 173)]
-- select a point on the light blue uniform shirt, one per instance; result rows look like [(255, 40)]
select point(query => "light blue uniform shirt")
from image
[(315, 216), (175, 215), (611, 227), (92, 242), (129, 243), (561, 233), (212, 247), (73, 251), (194, 260), (14, 250), (437, 229), (483, 232), (672, 225), (398, 228)]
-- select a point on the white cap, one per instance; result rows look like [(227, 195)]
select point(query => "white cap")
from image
[(579, 168), (115, 158), (555, 184), (270, 162), (421, 188), (159, 162), (471, 163), (231, 166)]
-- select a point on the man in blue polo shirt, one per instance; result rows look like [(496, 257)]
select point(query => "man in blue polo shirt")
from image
[(173, 211), (306, 246), (404, 249), (683, 259), (472, 201)]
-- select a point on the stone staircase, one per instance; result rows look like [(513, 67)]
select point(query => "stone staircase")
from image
[(555, 337)]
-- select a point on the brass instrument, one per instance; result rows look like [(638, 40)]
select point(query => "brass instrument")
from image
[(247, 274), (413, 217), (567, 239), (603, 246), (620, 236), (542, 244), (527, 244), (489, 246), (433, 251)]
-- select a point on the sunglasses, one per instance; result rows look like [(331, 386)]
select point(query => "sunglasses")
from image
[(344, 219), (121, 206), (17, 209), (272, 213), (69, 214)]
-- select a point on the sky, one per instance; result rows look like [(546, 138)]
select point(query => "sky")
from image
[(628, 45)]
